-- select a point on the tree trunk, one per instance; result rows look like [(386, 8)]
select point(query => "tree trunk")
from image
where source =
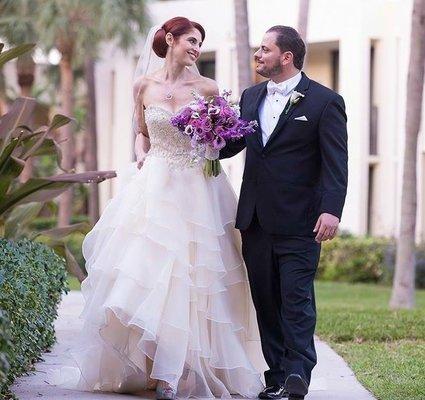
[(303, 18), (243, 49), (90, 154), (25, 67), (403, 293), (66, 135)]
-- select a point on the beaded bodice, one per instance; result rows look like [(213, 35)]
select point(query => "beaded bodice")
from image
[(166, 140)]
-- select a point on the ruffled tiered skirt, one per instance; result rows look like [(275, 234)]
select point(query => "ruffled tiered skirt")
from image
[(167, 296)]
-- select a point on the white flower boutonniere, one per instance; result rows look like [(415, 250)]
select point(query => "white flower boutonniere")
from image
[(294, 99)]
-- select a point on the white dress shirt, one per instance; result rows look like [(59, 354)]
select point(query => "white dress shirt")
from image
[(274, 103)]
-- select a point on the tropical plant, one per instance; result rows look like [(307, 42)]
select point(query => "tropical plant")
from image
[(17, 28), (20, 202)]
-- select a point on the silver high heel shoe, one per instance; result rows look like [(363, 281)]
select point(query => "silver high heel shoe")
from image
[(164, 391)]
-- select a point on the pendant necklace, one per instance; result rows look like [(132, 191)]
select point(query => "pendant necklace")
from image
[(169, 94)]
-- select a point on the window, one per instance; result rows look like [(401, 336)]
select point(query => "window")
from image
[(206, 65)]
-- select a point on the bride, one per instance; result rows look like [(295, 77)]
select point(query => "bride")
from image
[(167, 303)]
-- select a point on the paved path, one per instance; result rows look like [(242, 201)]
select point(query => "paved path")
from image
[(332, 379)]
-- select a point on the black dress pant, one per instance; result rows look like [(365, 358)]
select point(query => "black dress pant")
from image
[(281, 270)]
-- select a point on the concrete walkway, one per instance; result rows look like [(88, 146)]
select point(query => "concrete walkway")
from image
[(332, 379)]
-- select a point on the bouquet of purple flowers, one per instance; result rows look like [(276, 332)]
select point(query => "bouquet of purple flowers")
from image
[(210, 123)]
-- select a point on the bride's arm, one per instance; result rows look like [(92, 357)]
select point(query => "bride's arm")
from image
[(142, 143)]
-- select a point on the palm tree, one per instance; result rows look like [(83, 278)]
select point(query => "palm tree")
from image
[(75, 29), (17, 27), (303, 18), (118, 29), (90, 153), (403, 293), (243, 49)]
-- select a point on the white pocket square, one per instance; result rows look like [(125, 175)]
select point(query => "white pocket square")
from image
[(303, 118)]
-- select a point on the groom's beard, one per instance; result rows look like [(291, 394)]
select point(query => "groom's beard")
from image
[(274, 70)]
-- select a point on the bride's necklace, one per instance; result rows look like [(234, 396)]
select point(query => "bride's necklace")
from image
[(170, 93)]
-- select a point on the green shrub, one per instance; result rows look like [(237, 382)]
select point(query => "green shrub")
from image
[(357, 259), (353, 259), (44, 223), (32, 280), (5, 346)]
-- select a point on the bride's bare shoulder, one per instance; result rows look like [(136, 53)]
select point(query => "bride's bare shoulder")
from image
[(139, 86), (142, 83)]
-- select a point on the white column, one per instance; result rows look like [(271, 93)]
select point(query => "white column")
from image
[(104, 96), (387, 68), (354, 87), (123, 112)]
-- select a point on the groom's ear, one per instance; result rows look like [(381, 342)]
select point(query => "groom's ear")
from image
[(287, 57)]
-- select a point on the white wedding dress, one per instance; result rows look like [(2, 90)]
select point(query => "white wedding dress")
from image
[(167, 296)]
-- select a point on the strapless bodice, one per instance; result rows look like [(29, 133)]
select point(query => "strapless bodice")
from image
[(166, 140)]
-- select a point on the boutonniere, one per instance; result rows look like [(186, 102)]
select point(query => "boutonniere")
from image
[(294, 99)]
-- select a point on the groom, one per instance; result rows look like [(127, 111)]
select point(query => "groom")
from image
[(291, 200)]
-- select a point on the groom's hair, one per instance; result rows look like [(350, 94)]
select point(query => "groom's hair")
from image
[(288, 39)]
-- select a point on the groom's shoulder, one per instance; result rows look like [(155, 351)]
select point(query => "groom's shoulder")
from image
[(255, 88)]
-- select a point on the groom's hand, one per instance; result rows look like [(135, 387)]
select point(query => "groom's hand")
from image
[(326, 227)]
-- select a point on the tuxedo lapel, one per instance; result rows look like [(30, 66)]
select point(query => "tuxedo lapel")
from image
[(262, 91), (302, 87)]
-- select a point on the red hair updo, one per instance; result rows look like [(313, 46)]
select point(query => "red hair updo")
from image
[(177, 26)]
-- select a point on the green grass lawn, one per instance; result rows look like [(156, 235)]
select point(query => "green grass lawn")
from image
[(386, 349)]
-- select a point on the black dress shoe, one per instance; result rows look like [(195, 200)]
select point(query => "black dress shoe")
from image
[(273, 392), (296, 387)]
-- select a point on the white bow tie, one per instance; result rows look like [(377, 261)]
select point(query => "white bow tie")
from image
[(273, 87)]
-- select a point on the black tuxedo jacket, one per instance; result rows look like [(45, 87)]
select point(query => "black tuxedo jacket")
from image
[(301, 172)]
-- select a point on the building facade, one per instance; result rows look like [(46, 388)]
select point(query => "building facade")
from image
[(358, 48)]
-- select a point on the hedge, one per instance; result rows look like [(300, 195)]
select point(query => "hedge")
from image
[(364, 259), (32, 280)]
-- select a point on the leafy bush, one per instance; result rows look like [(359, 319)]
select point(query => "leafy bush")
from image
[(357, 259), (21, 202), (5, 347), (32, 280), (42, 223)]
